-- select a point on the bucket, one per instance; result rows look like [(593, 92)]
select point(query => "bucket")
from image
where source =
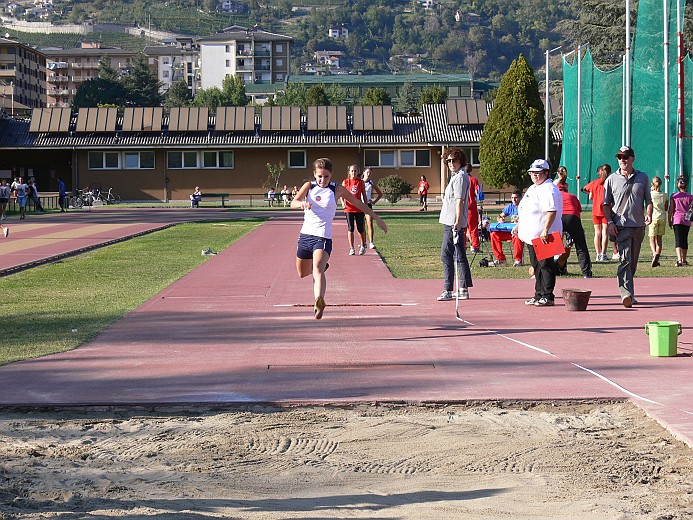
[(576, 299), (663, 337)]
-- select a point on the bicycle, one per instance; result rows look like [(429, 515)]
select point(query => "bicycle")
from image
[(110, 197)]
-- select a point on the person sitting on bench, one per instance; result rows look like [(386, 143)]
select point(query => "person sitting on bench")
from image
[(195, 198), (509, 214)]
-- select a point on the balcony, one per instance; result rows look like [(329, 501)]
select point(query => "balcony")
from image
[(262, 52)]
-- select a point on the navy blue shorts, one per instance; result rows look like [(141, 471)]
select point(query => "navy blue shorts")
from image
[(307, 244)]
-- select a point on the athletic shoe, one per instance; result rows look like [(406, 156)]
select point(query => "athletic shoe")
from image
[(371, 246), (517, 263), (5, 231), (634, 301), (627, 302), (544, 302), (362, 249), (655, 261), (498, 263), (588, 275), (3, 217), (462, 293), (207, 252), (474, 250), (319, 307), (678, 263), (531, 301), (351, 251), (614, 256), (445, 296)]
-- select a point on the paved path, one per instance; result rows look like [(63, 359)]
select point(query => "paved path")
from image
[(239, 329)]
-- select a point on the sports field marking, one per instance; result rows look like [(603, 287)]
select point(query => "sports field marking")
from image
[(348, 305), (607, 380)]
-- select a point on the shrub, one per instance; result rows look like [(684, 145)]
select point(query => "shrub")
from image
[(394, 187)]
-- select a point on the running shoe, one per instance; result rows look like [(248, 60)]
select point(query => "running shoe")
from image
[(655, 260), (517, 263), (445, 296), (544, 302), (499, 263), (371, 246), (351, 251), (531, 301), (5, 231), (362, 249), (462, 293)]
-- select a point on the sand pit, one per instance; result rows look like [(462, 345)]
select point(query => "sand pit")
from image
[(487, 460)]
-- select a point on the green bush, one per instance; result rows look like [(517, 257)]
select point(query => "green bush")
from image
[(394, 187)]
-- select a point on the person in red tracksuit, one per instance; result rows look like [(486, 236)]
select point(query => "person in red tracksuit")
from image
[(473, 212), (354, 215)]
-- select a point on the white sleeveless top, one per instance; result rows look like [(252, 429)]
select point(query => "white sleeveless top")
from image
[(317, 220), (368, 185)]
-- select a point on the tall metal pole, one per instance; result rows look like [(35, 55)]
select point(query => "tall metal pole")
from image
[(627, 75), (679, 56), (547, 107), (579, 111), (665, 17)]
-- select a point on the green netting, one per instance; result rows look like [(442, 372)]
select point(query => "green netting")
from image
[(602, 100)]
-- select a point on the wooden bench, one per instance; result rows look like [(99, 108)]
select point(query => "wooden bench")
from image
[(222, 196)]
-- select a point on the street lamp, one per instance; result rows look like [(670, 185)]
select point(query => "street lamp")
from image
[(547, 108)]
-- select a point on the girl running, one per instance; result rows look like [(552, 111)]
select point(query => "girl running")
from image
[(318, 200)]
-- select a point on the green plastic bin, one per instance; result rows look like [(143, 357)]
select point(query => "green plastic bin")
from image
[(663, 337)]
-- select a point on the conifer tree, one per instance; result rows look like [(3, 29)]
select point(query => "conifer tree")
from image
[(407, 98), (514, 133), (178, 95), (142, 84)]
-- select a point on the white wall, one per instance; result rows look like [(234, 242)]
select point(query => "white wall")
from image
[(213, 63)]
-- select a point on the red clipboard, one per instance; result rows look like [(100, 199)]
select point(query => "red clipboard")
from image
[(553, 246)]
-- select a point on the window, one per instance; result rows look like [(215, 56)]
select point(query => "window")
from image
[(228, 48), (165, 74), (472, 154), (394, 158), (228, 63), (177, 160), (419, 158), (139, 160), (379, 158), (279, 62), (279, 47), (104, 160), (297, 159), (217, 159)]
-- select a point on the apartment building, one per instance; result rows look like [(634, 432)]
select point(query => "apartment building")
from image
[(177, 59), (22, 76), (67, 69), (256, 56)]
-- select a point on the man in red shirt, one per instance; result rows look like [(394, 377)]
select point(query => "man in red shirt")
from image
[(354, 216)]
